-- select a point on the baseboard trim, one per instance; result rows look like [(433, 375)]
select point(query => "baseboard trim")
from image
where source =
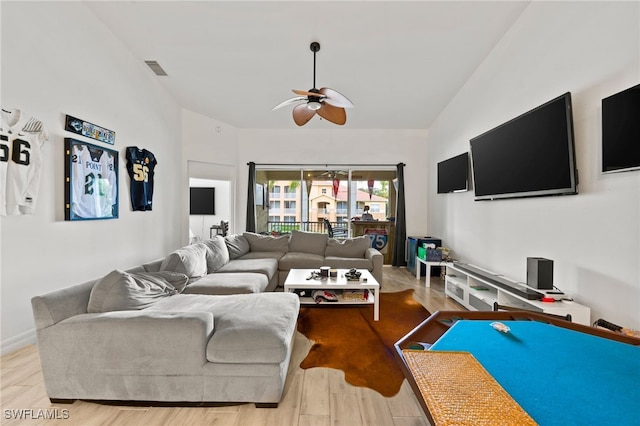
[(16, 342)]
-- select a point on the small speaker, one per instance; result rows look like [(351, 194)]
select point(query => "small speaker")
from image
[(540, 273)]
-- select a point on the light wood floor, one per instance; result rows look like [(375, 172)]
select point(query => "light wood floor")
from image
[(314, 397)]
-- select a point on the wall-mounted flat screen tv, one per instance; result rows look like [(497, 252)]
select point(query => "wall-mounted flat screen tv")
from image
[(453, 174), (529, 156), (621, 131), (202, 201)]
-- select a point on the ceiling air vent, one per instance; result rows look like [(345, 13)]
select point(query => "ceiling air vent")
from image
[(155, 67)]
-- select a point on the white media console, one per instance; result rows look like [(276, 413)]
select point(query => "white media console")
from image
[(478, 289)]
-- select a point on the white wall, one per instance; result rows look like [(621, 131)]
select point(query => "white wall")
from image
[(591, 49), (73, 65), (209, 151)]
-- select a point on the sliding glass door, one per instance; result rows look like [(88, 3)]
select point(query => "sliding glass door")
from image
[(307, 198)]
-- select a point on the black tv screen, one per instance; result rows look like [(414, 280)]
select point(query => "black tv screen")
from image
[(202, 201), (531, 155), (453, 174), (621, 131)]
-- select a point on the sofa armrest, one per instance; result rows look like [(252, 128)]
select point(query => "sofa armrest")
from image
[(127, 342), (59, 305), (377, 260)]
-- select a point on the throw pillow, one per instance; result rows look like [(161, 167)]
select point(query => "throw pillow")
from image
[(123, 291), (237, 245), (267, 242), (308, 242), (217, 253), (349, 247), (189, 260), (177, 280)]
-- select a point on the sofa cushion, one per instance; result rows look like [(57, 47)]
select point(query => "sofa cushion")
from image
[(267, 242), (217, 254), (308, 242), (295, 260), (259, 331), (189, 260), (349, 247), (229, 283), (124, 291), (237, 245), (249, 328), (268, 267)]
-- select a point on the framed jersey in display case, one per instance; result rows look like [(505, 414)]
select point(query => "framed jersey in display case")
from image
[(91, 181)]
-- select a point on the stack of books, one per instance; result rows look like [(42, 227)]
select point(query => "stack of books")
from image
[(356, 295)]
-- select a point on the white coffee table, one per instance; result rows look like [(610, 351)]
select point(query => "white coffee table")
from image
[(297, 280)]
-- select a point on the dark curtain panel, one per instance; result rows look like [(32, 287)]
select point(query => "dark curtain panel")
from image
[(401, 222), (251, 198)]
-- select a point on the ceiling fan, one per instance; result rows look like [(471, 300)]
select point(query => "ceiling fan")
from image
[(336, 174), (332, 174), (328, 103)]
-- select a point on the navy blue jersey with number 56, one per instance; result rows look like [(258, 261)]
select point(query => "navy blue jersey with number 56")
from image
[(140, 165)]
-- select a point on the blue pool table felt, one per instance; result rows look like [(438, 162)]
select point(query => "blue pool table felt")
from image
[(558, 376)]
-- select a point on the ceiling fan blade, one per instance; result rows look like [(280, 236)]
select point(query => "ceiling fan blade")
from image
[(302, 114), (305, 93), (289, 102), (333, 114), (336, 99)]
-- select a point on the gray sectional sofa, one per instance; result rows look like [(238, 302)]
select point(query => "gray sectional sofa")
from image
[(200, 325), (214, 266)]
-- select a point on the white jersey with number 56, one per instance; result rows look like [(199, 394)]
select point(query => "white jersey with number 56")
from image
[(21, 140)]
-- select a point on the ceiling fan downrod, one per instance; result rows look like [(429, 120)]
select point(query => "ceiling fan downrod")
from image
[(315, 47), (313, 102)]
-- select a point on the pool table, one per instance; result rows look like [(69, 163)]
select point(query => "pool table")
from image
[(560, 373)]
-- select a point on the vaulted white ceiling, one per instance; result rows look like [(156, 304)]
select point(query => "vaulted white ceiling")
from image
[(400, 63)]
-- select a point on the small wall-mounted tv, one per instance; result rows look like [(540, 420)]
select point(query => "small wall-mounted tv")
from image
[(453, 174), (202, 201), (621, 131), (529, 156)]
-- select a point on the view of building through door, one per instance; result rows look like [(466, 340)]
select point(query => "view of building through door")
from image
[(305, 199)]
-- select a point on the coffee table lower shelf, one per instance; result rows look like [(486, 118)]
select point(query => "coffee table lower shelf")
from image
[(307, 300), (297, 280)]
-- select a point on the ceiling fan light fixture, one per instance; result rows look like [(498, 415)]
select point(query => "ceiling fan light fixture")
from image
[(314, 105)]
